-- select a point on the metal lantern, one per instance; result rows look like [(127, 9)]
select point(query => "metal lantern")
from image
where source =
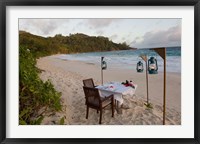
[(103, 67), (103, 64), (139, 67), (152, 66)]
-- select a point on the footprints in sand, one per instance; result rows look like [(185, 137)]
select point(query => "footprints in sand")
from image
[(74, 109)]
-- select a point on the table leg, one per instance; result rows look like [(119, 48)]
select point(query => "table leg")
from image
[(118, 107)]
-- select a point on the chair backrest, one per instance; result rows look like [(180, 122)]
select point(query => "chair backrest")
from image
[(88, 83), (92, 96)]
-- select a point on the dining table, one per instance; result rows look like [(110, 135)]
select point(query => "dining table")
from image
[(118, 90)]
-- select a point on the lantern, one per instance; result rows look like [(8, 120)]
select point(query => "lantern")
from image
[(103, 67), (152, 66), (103, 64), (140, 67)]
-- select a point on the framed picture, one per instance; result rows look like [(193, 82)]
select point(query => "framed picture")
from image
[(139, 59)]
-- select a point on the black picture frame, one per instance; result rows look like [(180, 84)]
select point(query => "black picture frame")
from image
[(5, 3)]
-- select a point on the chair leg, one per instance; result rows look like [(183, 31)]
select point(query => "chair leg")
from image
[(112, 107), (87, 112), (100, 116), (97, 111)]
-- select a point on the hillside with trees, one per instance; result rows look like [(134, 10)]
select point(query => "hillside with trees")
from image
[(74, 43)]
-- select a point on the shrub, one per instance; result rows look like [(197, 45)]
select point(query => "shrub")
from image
[(34, 94)]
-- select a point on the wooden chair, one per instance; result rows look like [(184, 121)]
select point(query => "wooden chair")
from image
[(94, 101), (88, 83)]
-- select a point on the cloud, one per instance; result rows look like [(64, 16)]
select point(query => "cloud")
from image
[(99, 32), (123, 39), (100, 23), (159, 38), (41, 26), (77, 26), (113, 37)]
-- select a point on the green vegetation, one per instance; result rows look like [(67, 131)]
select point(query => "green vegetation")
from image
[(148, 105), (75, 43), (62, 121), (36, 95)]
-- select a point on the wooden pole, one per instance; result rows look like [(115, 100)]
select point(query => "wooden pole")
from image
[(164, 87), (101, 71), (101, 77), (147, 83), (144, 57), (162, 53)]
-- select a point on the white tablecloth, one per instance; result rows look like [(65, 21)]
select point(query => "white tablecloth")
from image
[(117, 89)]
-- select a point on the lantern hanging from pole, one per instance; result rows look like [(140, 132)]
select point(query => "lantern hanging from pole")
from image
[(103, 67), (103, 64), (139, 67), (152, 66)]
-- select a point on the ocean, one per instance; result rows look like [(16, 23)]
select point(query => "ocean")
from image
[(127, 59)]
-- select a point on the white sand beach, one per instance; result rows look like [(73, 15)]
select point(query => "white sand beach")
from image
[(67, 76)]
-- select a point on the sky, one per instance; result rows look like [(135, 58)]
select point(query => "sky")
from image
[(138, 33)]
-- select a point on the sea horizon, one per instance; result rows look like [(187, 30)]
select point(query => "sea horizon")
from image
[(127, 59)]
